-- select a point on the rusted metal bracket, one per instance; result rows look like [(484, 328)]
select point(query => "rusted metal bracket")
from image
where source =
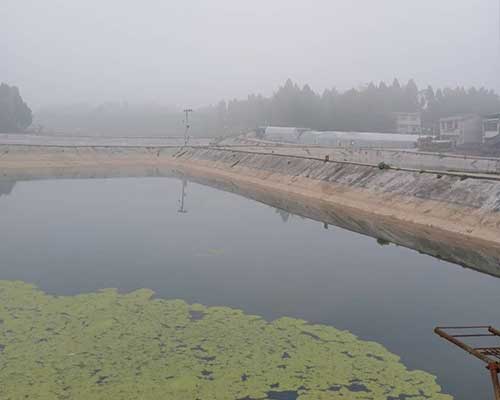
[(489, 355)]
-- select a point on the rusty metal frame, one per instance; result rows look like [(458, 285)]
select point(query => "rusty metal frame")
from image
[(489, 355)]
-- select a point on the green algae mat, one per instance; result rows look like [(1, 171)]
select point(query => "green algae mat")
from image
[(110, 346)]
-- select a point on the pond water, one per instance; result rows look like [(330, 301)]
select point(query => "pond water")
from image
[(219, 249)]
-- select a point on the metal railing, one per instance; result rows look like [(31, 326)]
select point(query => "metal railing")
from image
[(489, 355)]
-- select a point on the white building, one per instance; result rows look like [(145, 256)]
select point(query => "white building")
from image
[(408, 123), (491, 127), (359, 139), (462, 129), (283, 134)]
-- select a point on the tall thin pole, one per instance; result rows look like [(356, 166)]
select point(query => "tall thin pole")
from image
[(498, 48), (186, 137)]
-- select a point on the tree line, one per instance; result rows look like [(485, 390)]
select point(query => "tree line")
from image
[(15, 115), (371, 108)]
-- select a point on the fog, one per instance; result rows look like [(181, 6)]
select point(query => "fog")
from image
[(197, 52)]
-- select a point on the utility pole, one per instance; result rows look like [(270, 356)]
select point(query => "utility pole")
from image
[(186, 137), (497, 61)]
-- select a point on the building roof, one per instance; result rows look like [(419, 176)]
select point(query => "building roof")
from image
[(418, 113), (492, 116), (459, 117), (371, 136), (284, 129)]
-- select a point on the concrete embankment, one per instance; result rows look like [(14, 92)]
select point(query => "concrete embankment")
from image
[(416, 209), (466, 206), (395, 157)]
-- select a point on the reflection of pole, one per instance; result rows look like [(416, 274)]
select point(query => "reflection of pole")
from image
[(181, 209), (186, 137)]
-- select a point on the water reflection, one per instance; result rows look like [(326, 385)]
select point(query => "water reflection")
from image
[(182, 199), (441, 245), (467, 253), (6, 187), (285, 215)]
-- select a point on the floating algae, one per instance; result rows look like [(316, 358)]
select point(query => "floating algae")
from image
[(109, 346)]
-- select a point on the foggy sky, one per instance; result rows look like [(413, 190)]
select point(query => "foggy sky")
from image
[(200, 51)]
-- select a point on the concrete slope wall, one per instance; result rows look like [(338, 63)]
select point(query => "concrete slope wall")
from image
[(419, 160), (469, 207), (395, 157)]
